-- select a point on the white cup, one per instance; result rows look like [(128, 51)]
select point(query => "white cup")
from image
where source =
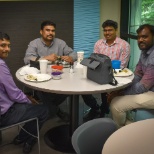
[(43, 66), (80, 55), (85, 71)]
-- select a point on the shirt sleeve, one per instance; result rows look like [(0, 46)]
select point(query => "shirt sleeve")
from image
[(31, 52), (142, 82), (136, 87), (125, 54), (9, 86), (68, 51), (96, 47)]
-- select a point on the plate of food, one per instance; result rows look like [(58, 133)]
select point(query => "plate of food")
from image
[(37, 77), (122, 72)]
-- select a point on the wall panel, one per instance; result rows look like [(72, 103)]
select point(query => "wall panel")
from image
[(21, 20), (86, 25)]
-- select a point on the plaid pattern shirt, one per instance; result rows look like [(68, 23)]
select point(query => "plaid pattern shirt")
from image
[(119, 50), (144, 74)]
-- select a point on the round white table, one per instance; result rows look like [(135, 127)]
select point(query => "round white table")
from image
[(73, 84), (134, 138)]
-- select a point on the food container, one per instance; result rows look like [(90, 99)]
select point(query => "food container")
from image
[(57, 68), (56, 75), (116, 64)]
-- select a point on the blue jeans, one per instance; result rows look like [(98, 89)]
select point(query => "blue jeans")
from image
[(23, 111)]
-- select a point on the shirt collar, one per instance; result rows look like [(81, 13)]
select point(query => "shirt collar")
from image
[(45, 43), (116, 41)]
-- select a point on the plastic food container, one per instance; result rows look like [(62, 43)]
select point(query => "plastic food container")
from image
[(56, 75), (57, 68), (116, 64)]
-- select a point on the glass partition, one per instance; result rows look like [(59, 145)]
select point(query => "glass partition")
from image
[(141, 12)]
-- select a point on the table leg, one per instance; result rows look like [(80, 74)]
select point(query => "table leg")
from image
[(74, 113), (59, 138)]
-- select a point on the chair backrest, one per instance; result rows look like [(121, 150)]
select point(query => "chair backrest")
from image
[(142, 114), (89, 138)]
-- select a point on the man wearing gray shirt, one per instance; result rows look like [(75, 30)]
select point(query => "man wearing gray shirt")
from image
[(50, 48)]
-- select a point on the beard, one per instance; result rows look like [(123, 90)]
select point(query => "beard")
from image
[(144, 46)]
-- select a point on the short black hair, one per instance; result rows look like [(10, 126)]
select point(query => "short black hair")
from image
[(150, 27), (47, 23), (110, 23), (4, 36)]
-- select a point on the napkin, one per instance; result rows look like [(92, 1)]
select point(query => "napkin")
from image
[(28, 70)]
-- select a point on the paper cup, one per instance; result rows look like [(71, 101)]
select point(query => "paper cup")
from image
[(43, 66), (85, 71), (80, 55)]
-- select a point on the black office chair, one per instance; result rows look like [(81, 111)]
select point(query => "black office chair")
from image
[(19, 124), (89, 138)]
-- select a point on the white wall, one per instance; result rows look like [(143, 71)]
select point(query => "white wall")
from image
[(110, 9)]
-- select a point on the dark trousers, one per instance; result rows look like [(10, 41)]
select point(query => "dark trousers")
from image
[(52, 100), (91, 102), (23, 111)]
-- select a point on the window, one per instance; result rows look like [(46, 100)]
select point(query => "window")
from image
[(141, 12)]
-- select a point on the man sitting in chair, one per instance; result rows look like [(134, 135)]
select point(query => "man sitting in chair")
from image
[(15, 105), (140, 94), (115, 48)]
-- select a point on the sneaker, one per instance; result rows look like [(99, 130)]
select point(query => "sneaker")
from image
[(92, 114), (28, 147), (63, 115)]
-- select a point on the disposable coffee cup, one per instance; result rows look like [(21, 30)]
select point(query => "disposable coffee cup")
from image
[(116, 64), (85, 71), (80, 56), (43, 66)]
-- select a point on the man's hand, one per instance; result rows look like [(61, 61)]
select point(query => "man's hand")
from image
[(113, 94), (51, 57), (32, 99), (67, 59)]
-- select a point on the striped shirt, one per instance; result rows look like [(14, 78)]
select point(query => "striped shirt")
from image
[(119, 50), (144, 74)]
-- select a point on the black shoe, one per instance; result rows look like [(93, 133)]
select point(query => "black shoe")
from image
[(18, 141), (92, 114), (63, 115), (28, 147), (102, 114)]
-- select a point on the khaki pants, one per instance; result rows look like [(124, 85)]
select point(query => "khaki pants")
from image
[(121, 104)]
